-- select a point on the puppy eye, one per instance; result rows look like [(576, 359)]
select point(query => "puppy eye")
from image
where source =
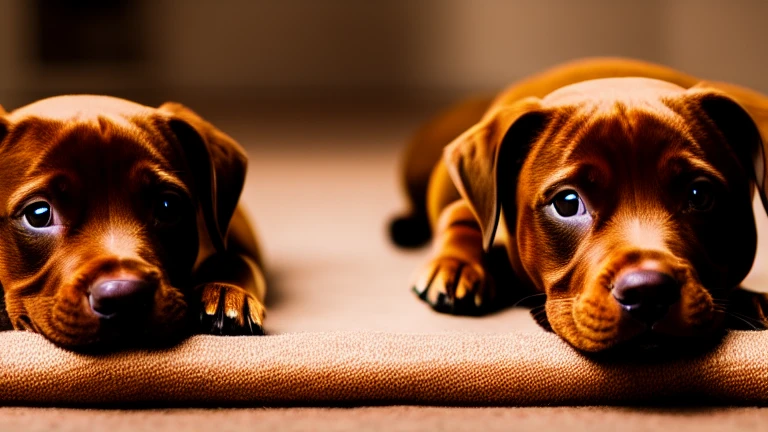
[(568, 203), (701, 195), (168, 208), (38, 214)]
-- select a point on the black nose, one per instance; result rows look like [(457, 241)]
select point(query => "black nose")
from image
[(122, 297), (646, 294)]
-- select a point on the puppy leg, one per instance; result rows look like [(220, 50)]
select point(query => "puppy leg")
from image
[(232, 286), (456, 280)]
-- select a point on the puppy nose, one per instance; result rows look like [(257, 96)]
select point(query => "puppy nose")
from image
[(646, 294), (113, 298)]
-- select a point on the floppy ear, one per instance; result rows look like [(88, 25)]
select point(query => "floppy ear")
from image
[(3, 123), (5, 321), (218, 165), (483, 162), (738, 128)]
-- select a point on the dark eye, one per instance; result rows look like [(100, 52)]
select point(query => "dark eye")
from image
[(701, 195), (568, 204), (39, 214), (168, 208)]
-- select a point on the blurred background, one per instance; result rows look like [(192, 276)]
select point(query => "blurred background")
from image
[(351, 51)]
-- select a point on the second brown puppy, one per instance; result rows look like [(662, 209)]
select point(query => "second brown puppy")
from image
[(620, 189)]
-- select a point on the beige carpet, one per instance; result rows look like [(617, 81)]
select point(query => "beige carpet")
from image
[(361, 368), (397, 418)]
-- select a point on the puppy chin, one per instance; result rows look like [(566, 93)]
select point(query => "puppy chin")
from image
[(588, 333), (73, 322), (589, 325), (70, 322), (594, 321), (694, 317)]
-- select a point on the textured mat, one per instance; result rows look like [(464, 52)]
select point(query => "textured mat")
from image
[(377, 368)]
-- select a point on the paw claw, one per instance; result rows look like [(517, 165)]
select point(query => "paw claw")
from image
[(229, 310), (450, 285)]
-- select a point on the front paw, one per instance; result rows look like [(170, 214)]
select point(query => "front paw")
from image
[(229, 310), (454, 286)]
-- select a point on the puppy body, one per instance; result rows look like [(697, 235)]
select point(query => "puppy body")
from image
[(629, 142), (120, 221)]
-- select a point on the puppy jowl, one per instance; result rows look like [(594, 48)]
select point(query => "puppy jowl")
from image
[(120, 222), (620, 191)]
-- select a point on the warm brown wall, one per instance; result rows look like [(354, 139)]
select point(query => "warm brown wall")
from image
[(454, 46), (726, 39), (10, 47), (450, 44)]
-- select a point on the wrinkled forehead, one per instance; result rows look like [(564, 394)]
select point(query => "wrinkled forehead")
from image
[(93, 153), (624, 114), (617, 139), (624, 132)]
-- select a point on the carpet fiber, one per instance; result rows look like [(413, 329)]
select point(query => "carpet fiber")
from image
[(377, 368), (396, 418)]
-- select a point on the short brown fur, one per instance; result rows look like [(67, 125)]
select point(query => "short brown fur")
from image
[(102, 163), (623, 133)]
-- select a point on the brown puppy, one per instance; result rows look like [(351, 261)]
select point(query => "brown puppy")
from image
[(119, 221), (620, 189)]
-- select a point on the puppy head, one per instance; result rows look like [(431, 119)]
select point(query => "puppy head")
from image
[(629, 202), (105, 207)]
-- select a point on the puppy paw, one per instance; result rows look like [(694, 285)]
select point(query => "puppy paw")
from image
[(229, 310), (454, 286)]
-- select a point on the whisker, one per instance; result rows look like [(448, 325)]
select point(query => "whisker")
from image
[(748, 318), (733, 315), (532, 296), (563, 300)]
